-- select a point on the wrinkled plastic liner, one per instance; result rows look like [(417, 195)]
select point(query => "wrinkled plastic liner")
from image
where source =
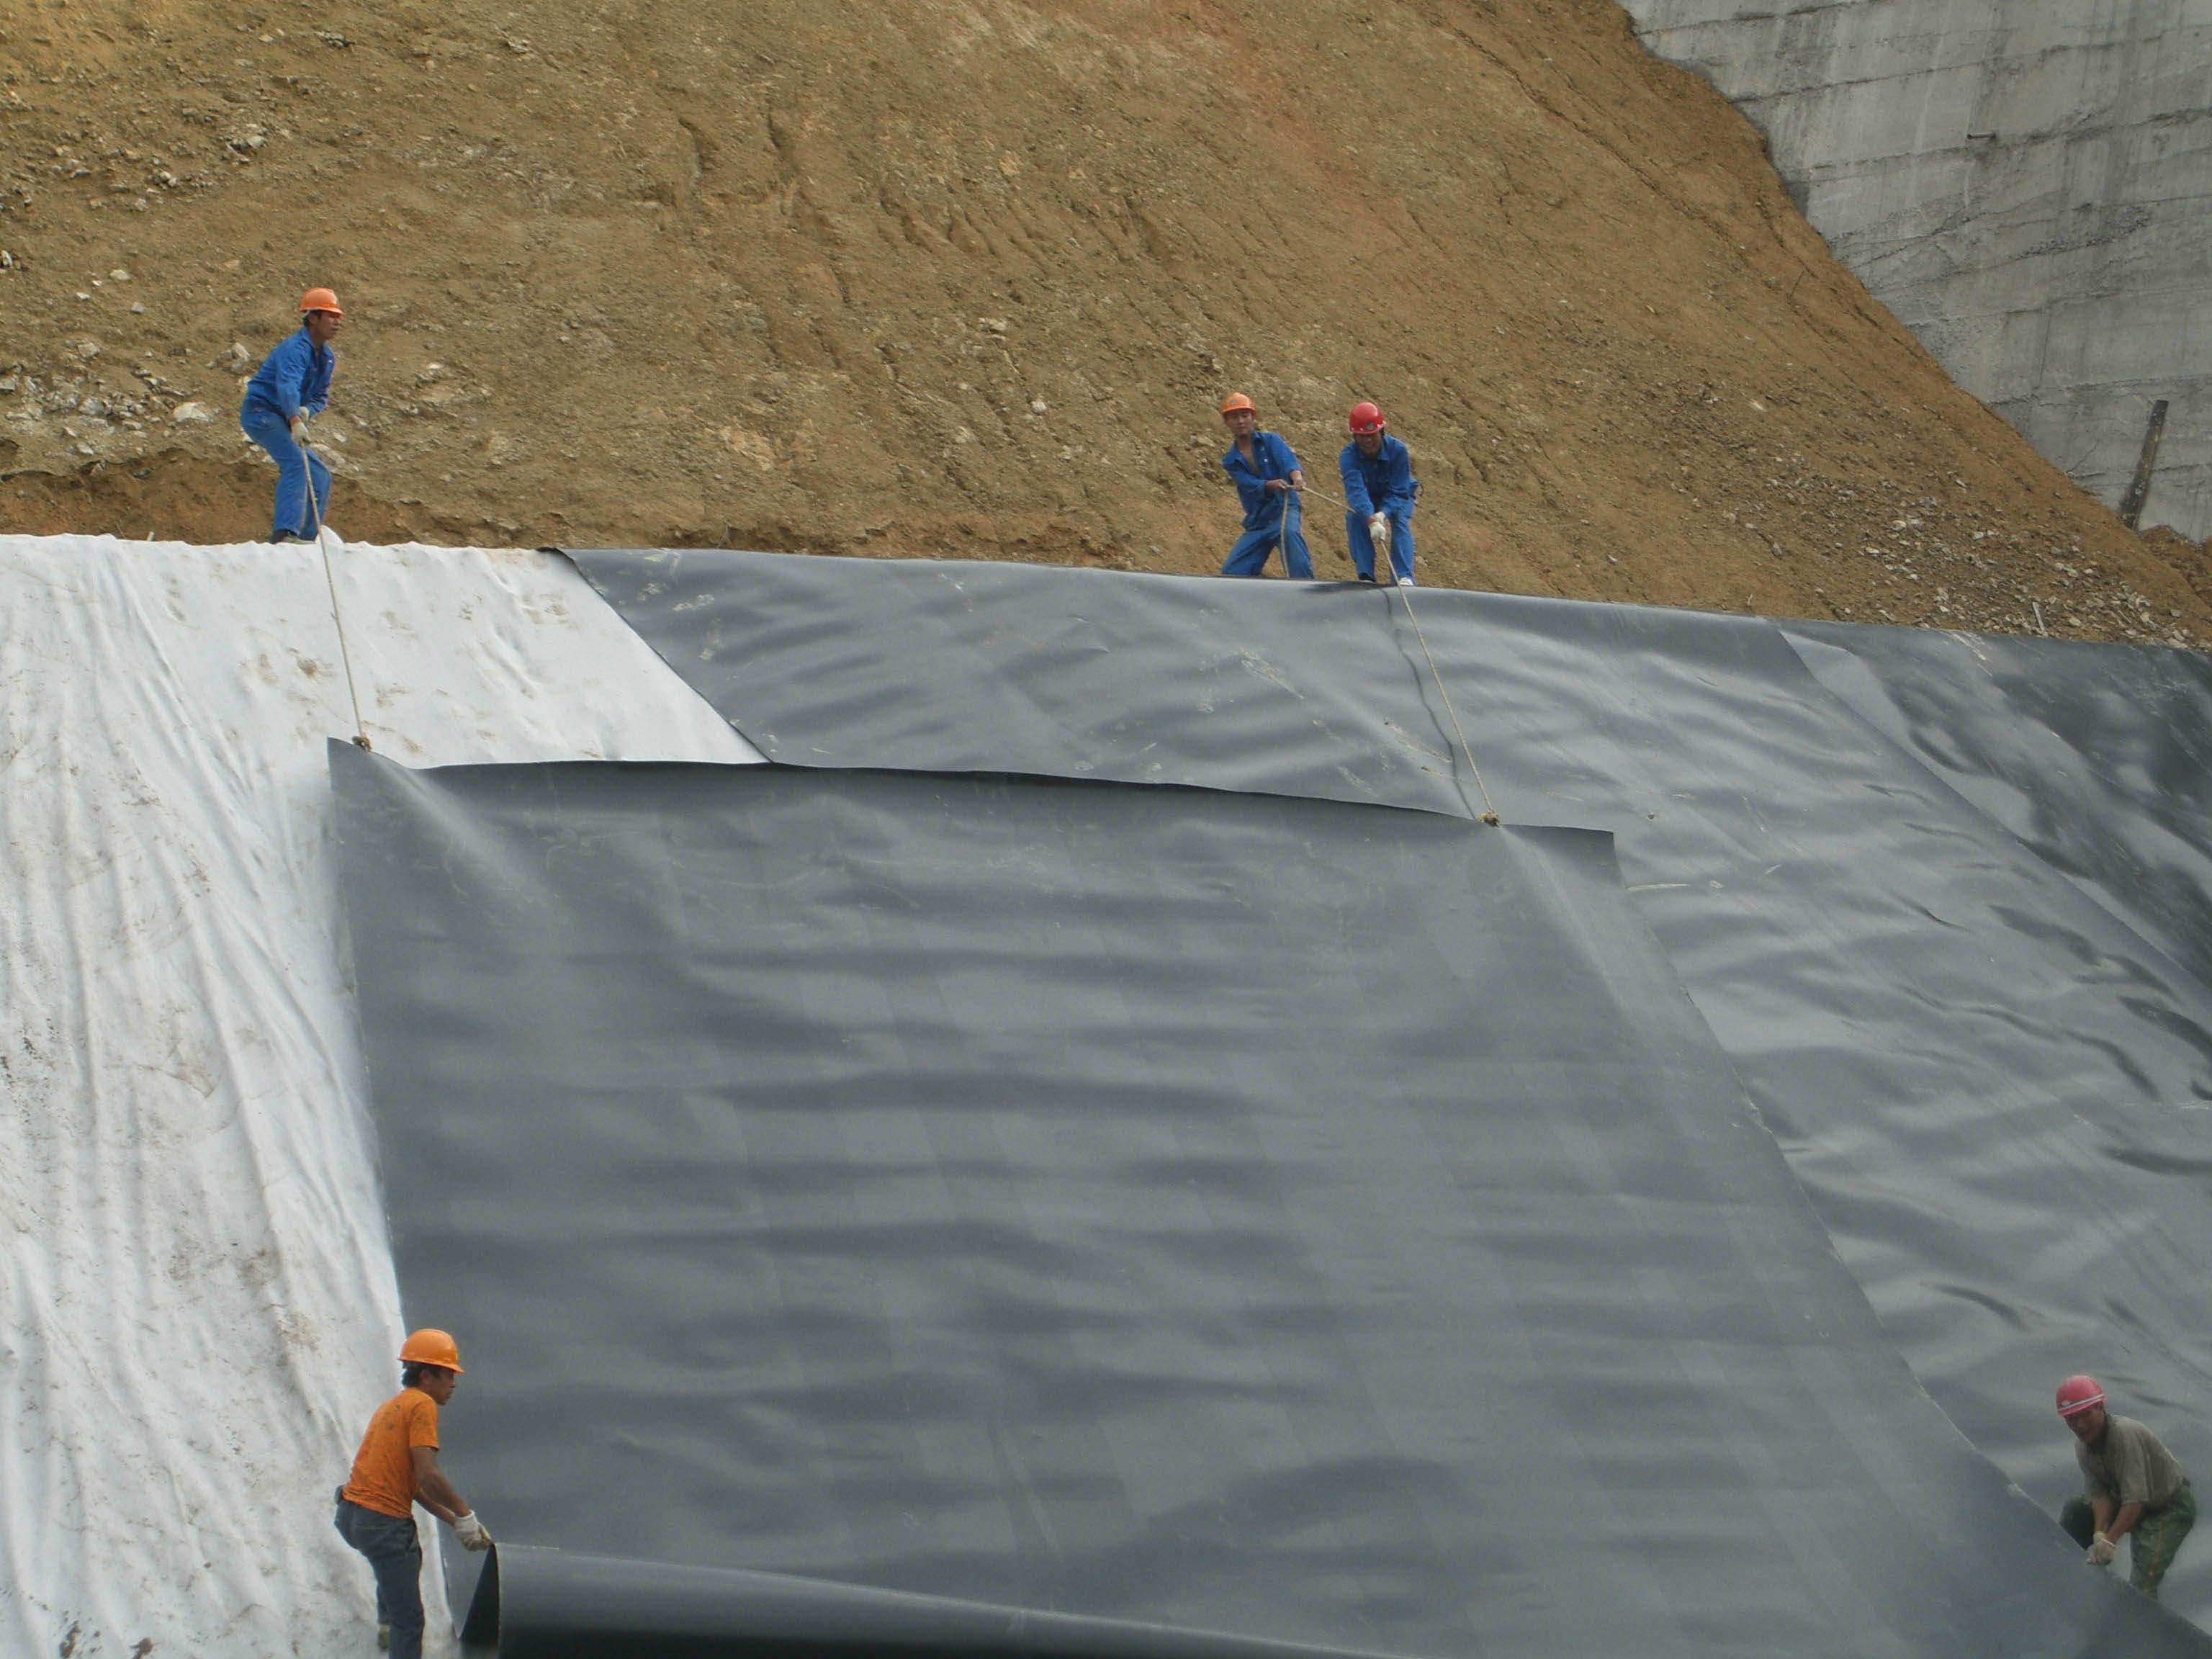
[(1946, 901), (1267, 1220), (534, 1603), (2099, 758), (1277, 688)]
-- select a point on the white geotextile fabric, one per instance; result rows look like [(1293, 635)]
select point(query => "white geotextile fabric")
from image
[(198, 1294)]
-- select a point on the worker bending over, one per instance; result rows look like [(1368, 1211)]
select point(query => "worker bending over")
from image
[(2131, 1487), (1267, 477), (293, 382), (1379, 491), (397, 1469)]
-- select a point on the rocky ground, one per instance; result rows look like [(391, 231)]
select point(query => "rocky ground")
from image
[(970, 279)]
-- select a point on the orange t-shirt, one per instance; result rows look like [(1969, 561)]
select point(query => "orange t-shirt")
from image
[(384, 1469)]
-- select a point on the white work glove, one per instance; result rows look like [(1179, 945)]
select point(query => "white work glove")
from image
[(300, 429), (471, 1531), (2102, 1551), (1378, 532)]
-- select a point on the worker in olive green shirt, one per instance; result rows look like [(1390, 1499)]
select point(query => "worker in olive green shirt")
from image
[(2131, 1486)]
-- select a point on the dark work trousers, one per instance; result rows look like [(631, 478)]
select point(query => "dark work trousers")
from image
[(396, 1554), (2152, 1541)]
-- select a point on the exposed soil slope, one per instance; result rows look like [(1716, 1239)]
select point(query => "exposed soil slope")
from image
[(970, 279)]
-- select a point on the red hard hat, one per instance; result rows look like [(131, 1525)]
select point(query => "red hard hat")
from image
[(2077, 1393), (429, 1347), (1235, 401), (1366, 417), (319, 299)]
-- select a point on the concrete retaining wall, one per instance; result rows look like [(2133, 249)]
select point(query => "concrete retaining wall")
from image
[(2026, 184)]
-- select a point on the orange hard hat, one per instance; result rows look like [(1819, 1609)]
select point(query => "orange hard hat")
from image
[(1236, 400), (428, 1347), (1366, 417), (319, 299)]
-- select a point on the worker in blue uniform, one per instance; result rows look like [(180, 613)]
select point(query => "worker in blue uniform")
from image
[(293, 382), (1267, 477), (1379, 492)]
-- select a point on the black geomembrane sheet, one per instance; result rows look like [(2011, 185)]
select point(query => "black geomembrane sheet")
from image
[(1212, 1219), (1945, 900)]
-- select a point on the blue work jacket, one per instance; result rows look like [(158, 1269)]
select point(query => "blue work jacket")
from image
[(294, 377), (1276, 461), (1384, 484)]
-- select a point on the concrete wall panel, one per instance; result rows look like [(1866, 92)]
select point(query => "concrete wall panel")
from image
[(2026, 184)]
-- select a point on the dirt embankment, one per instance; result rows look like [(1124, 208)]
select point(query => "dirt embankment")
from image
[(970, 279)]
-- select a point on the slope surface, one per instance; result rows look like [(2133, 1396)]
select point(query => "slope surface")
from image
[(2099, 758), (197, 1287), (973, 277), (1279, 1218), (1931, 936)]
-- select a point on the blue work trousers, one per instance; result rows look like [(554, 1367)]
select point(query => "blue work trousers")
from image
[(1249, 556), (274, 434), (395, 1555), (1402, 541)]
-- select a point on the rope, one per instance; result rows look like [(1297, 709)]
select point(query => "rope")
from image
[(345, 657), (1489, 814)]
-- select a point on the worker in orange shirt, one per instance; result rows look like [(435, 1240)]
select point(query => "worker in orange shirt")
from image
[(396, 1468)]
